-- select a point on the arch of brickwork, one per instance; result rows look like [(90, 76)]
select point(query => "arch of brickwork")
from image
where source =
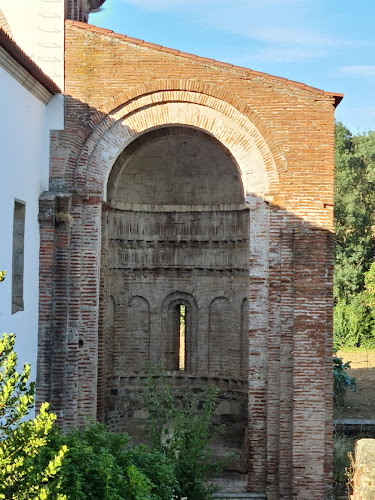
[(68, 170), (240, 130), (259, 172), (111, 130)]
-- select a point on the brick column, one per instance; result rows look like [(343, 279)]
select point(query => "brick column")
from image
[(328, 465), (89, 246), (46, 259), (55, 225), (273, 352), (309, 365), (287, 268), (258, 334), (69, 304)]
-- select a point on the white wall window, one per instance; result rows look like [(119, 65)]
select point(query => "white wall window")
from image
[(18, 255)]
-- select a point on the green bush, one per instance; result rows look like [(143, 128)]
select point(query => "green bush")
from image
[(101, 465), (354, 324), (23, 475), (183, 435)]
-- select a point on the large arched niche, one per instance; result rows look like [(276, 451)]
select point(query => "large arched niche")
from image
[(175, 166), (231, 122), (175, 251)]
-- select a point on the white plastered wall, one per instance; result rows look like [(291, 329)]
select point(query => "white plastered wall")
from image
[(25, 124), (38, 28)]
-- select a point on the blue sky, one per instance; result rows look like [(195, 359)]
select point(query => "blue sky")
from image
[(325, 43)]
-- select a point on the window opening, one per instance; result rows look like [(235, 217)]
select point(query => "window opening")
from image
[(18, 255), (182, 337)]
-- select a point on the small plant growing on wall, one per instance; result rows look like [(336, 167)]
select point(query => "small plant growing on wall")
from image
[(62, 219)]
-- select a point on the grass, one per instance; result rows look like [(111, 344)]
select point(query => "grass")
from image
[(359, 404), (355, 349)]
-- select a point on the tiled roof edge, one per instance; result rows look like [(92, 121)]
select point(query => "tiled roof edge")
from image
[(4, 24), (103, 31), (15, 51)]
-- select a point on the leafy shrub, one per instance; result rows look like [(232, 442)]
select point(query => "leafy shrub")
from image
[(341, 380), (101, 465), (22, 473), (183, 435)]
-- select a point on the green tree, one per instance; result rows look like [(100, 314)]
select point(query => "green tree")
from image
[(355, 236), (370, 285), (22, 475)]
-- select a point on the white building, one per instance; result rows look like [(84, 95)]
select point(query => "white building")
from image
[(31, 106), (38, 28)]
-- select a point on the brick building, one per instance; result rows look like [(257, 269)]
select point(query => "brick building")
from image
[(187, 190)]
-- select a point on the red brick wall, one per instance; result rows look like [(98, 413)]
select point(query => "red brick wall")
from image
[(116, 88), (298, 120)]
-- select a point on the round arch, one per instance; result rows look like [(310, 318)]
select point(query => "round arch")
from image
[(257, 155), (169, 304), (137, 178), (127, 117)]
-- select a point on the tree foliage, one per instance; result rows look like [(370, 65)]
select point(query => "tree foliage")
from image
[(22, 476), (354, 321)]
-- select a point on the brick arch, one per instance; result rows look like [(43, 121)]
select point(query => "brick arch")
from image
[(134, 113), (115, 103)]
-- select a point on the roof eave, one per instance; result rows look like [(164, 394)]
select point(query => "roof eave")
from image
[(22, 59)]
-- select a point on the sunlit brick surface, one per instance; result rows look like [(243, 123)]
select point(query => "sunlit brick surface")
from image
[(280, 135)]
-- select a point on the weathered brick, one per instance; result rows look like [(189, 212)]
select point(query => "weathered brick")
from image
[(280, 136)]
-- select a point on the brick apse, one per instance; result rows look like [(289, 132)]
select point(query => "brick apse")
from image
[(181, 181)]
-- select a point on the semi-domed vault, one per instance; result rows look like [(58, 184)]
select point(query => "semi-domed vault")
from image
[(174, 275)]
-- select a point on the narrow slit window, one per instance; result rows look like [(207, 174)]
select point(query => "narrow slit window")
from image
[(182, 337), (18, 255)]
